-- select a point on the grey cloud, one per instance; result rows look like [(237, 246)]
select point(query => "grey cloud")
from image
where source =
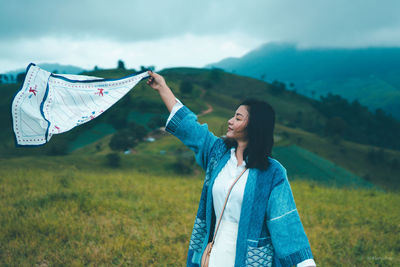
[(307, 22), (125, 20)]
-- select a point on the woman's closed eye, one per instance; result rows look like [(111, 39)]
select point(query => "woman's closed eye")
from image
[(239, 117)]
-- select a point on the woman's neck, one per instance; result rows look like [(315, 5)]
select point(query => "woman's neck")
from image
[(241, 146)]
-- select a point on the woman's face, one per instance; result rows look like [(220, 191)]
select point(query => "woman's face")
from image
[(237, 124)]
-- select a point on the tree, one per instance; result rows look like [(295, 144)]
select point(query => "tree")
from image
[(207, 84), (127, 138), (121, 64), (21, 77), (156, 122), (394, 164), (186, 87), (216, 74), (299, 117), (138, 131), (118, 118), (184, 164), (335, 126), (376, 155), (121, 141), (278, 87), (57, 147), (144, 68)]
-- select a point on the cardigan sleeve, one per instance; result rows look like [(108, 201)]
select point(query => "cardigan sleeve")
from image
[(175, 108), (288, 237), (194, 135)]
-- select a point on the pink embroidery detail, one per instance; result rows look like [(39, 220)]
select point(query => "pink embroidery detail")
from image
[(100, 92), (34, 91)]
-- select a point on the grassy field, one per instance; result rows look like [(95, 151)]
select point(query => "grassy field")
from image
[(75, 212)]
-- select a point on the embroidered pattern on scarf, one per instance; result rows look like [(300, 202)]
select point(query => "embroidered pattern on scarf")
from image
[(50, 103)]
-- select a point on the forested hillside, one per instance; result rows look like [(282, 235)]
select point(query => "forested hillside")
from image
[(345, 133)]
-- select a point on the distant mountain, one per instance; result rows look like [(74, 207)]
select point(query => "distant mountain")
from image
[(11, 76), (369, 75)]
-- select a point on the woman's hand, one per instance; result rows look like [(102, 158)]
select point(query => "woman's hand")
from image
[(156, 81)]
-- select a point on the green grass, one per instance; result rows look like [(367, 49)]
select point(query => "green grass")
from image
[(85, 218), (349, 227), (74, 212)]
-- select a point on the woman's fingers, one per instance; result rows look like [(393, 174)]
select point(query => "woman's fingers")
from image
[(153, 81), (151, 78), (153, 75), (156, 81)]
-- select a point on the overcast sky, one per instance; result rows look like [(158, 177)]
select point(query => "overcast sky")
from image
[(168, 33)]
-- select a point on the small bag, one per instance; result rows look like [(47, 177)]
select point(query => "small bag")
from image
[(206, 255), (205, 258)]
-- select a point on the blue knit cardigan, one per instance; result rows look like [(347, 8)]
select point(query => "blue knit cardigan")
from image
[(269, 226)]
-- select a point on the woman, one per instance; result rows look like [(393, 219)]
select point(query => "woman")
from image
[(260, 225)]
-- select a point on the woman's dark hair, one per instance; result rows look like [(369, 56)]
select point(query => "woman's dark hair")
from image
[(260, 134)]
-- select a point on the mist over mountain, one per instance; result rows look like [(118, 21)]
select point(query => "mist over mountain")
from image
[(370, 75)]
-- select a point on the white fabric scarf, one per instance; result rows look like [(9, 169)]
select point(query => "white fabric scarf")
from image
[(50, 103)]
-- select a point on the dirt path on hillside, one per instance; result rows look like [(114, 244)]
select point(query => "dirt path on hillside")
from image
[(209, 110)]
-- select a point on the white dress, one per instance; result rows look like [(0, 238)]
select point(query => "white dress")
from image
[(224, 249)]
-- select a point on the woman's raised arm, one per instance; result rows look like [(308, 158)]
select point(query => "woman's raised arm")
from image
[(184, 124), (157, 82)]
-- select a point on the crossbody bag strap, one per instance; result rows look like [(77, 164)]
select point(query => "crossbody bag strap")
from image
[(226, 200)]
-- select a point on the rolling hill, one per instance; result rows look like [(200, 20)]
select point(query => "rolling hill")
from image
[(328, 156)]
